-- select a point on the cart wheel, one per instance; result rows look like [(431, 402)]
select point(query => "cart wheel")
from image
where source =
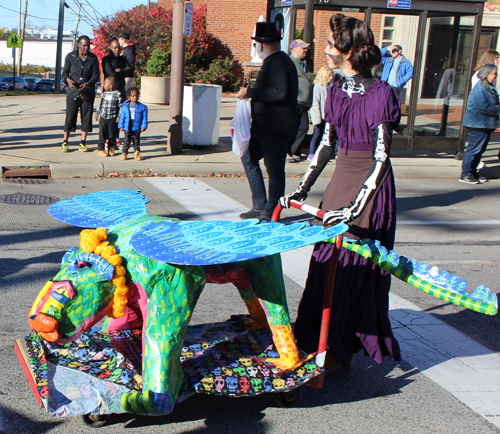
[(286, 399), (95, 420)]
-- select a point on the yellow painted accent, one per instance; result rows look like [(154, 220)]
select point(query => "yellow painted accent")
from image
[(148, 364), (163, 308), (39, 297)]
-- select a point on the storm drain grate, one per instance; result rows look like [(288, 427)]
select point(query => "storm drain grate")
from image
[(30, 181), (28, 199)]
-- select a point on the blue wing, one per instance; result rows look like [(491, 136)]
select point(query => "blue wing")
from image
[(100, 209), (218, 242)]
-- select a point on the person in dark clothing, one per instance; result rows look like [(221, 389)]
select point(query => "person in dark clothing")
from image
[(363, 112), (128, 52), (274, 121), (81, 72), (298, 55), (113, 65)]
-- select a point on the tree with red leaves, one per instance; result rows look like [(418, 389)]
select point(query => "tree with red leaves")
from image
[(152, 29)]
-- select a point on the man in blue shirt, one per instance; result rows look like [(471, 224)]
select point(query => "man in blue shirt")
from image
[(398, 70)]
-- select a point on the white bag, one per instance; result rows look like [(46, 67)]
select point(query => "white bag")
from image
[(240, 127)]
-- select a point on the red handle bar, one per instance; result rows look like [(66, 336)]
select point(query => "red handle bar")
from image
[(299, 205)]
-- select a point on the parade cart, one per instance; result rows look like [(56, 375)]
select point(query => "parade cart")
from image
[(143, 275)]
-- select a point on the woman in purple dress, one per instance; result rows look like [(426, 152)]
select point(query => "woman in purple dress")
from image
[(361, 113)]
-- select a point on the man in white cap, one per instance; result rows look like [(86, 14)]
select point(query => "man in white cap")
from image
[(298, 55)]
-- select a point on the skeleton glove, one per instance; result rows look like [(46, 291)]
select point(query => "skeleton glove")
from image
[(300, 194)]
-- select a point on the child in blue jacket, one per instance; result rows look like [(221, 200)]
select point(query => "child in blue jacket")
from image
[(133, 121)]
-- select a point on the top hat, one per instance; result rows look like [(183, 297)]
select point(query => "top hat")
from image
[(266, 32)]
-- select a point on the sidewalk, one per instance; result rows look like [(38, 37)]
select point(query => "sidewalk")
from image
[(31, 136)]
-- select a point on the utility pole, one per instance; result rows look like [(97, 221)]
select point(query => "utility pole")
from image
[(177, 77), (307, 35), (76, 27), (18, 32), (23, 33), (59, 45)]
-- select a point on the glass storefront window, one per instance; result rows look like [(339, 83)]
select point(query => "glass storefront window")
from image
[(400, 30), (442, 88)]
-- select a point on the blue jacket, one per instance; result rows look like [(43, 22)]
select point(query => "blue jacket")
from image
[(141, 117), (482, 110), (404, 72)]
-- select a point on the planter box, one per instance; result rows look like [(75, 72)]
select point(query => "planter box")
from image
[(201, 114), (155, 90)]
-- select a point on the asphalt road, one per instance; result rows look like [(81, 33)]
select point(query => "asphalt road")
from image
[(440, 221)]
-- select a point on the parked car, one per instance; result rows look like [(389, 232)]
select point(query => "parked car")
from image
[(46, 85), (32, 81), (7, 83)]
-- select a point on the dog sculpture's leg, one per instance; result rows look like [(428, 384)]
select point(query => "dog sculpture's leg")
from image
[(265, 276), (170, 306)]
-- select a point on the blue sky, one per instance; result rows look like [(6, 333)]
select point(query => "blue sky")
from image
[(45, 13)]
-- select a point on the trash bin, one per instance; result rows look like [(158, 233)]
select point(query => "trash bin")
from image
[(201, 114)]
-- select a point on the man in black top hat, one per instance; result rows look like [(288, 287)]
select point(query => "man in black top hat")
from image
[(129, 54), (274, 120)]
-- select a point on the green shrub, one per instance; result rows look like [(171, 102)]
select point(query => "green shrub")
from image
[(159, 63), (219, 72), (25, 69)]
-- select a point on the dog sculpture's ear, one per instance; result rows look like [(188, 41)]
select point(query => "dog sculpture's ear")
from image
[(100, 209)]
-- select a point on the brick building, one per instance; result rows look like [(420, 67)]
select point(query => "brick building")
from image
[(234, 23)]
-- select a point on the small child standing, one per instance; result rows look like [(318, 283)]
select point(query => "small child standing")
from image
[(107, 115), (133, 121)]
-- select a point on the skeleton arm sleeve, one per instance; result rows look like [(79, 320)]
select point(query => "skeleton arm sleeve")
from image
[(318, 163), (379, 168)]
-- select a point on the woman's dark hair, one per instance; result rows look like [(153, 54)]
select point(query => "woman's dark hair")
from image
[(484, 72), (354, 36), (129, 92)]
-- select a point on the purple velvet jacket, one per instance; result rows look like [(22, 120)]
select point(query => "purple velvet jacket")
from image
[(356, 117)]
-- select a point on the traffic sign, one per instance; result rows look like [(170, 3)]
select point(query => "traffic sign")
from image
[(188, 18), (14, 41)]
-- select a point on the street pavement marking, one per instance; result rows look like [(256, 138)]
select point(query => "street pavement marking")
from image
[(467, 369)]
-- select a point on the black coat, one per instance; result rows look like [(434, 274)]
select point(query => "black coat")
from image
[(129, 54), (274, 96), (81, 72)]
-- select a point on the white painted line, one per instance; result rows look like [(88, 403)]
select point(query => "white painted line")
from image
[(465, 368)]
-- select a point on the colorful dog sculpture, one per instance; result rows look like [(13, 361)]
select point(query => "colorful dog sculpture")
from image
[(146, 271)]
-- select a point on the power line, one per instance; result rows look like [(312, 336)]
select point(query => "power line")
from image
[(96, 11), (29, 15)]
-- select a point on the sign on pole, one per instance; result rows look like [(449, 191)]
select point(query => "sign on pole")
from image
[(14, 41), (188, 18)]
